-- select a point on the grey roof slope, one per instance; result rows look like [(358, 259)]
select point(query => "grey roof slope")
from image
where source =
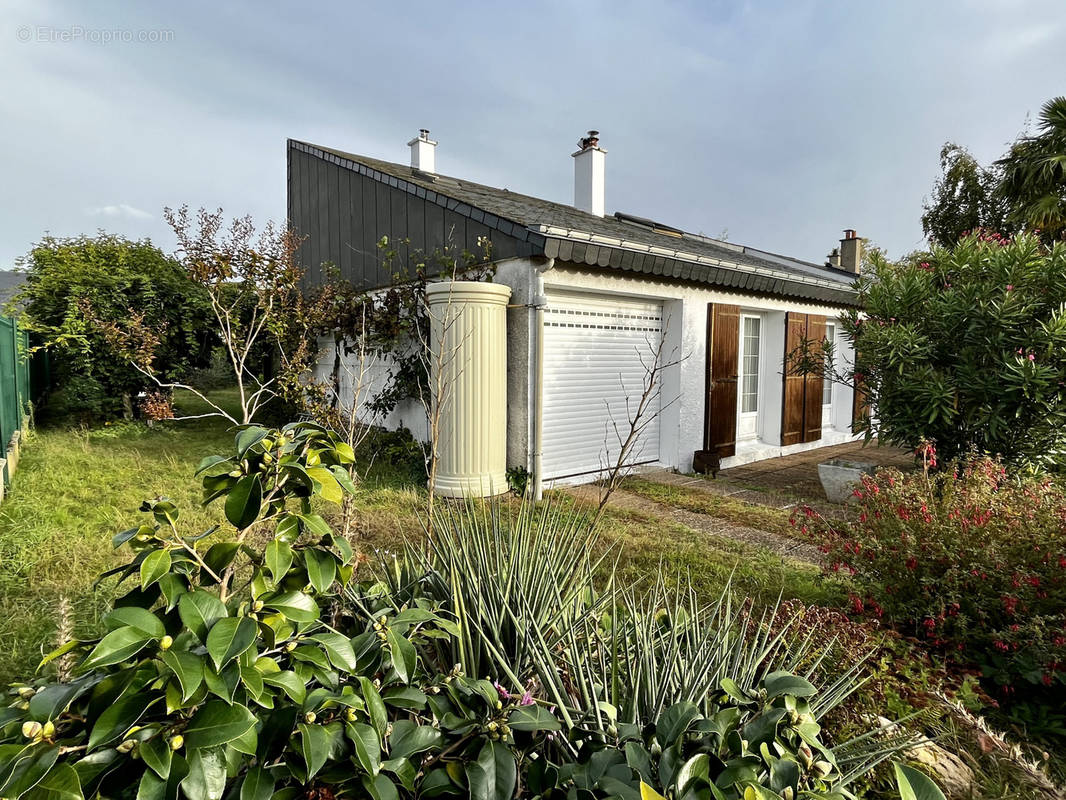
[(627, 243)]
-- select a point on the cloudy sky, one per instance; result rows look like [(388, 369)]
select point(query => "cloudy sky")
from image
[(778, 121)]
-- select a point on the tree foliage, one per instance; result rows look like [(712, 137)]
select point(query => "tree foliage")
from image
[(1034, 174), (966, 197), (966, 348), (72, 283), (1025, 190)]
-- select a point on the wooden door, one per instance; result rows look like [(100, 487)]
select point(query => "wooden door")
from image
[(720, 418)]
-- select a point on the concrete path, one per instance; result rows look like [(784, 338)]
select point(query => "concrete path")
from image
[(705, 523)]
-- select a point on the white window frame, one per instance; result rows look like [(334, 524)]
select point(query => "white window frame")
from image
[(827, 408), (745, 430)]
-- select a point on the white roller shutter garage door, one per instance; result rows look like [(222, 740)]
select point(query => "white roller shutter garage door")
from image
[(596, 349)]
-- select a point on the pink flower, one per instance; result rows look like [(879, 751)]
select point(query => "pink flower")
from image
[(1032, 357), (527, 699), (1010, 287)]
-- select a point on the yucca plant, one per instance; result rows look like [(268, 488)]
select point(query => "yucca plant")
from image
[(652, 684)]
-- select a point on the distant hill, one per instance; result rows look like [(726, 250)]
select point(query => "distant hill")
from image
[(10, 283)]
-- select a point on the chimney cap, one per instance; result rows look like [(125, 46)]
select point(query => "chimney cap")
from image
[(592, 140), (849, 233), (423, 136)]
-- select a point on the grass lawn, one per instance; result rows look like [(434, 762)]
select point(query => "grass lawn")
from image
[(77, 487)]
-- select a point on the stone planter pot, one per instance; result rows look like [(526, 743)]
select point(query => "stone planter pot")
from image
[(840, 477)]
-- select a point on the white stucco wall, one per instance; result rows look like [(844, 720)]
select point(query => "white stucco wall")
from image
[(410, 414), (685, 329), (685, 312)]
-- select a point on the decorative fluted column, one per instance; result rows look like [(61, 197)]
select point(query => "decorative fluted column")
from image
[(468, 381)]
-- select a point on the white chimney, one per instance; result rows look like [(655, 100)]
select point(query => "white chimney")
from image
[(588, 174), (423, 151)]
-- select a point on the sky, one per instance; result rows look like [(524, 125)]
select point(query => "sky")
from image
[(775, 124)]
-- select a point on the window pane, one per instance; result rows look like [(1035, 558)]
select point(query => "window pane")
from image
[(749, 386), (827, 386)]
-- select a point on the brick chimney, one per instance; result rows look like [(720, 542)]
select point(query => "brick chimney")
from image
[(851, 252), (423, 152), (588, 174)]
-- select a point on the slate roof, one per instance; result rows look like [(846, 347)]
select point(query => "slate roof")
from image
[(621, 242)]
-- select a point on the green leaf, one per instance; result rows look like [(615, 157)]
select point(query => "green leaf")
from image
[(210, 461), (374, 704), (61, 783), (229, 638), (157, 755), (297, 606), (407, 697), (278, 557), (915, 785), (314, 747), (53, 700), (674, 721), (343, 478), (25, 767), (493, 775), (533, 718), (696, 768), (345, 453), (409, 738), (326, 484), (135, 617), (199, 610), (379, 787), (223, 683), (338, 648), (763, 728), (249, 437), (779, 683), (257, 785), (151, 786), (313, 523), (173, 587), (207, 775), (367, 746), (118, 718), (220, 555), (244, 502), (729, 686), (321, 568), (116, 647), (289, 682), (403, 655), (217, 723), (189, 669), (155, 565)]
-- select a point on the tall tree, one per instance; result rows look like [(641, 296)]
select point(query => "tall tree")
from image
[(1034, 174), (966, 197)]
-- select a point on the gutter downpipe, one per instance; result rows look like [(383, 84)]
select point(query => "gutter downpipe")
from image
[(539, 302)]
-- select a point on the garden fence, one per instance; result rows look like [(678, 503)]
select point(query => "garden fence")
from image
[(23, 378)]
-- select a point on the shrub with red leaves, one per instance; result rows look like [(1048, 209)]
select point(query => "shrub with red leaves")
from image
[(968, 559)]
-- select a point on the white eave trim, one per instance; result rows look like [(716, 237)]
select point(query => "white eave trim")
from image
[(639, 247)]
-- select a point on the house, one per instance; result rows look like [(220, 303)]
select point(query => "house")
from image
[(598, 296)]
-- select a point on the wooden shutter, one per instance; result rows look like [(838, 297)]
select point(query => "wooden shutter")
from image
[(792, 417), (723, 343), (812, 389)]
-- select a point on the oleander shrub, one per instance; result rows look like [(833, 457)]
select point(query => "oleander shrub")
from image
[(968, 558)]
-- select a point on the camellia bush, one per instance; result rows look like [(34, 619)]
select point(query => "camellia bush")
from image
[(489, 666), (966, 348), (967, 559)]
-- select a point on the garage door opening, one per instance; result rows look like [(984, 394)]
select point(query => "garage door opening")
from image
[(597, 352)]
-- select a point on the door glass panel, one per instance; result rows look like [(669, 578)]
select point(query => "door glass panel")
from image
[(749, 390), (827, 385)]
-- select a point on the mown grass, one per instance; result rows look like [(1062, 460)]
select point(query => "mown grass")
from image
[(738, 512)]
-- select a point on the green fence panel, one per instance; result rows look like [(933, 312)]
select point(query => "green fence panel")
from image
[(9, 403)]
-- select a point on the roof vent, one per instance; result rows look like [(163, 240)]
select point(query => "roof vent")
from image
[(423, 150), (588, 174)]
